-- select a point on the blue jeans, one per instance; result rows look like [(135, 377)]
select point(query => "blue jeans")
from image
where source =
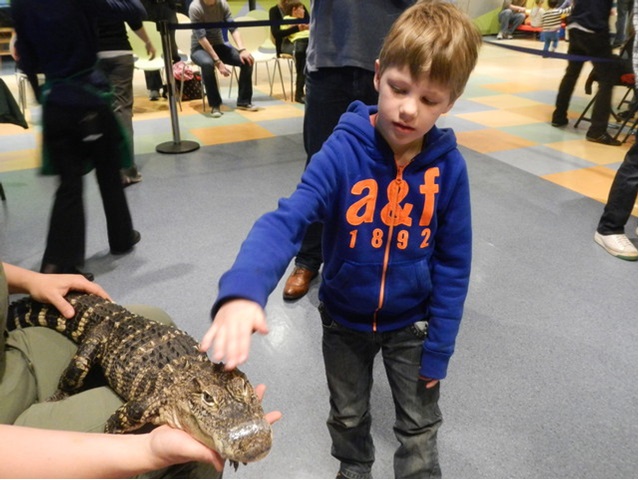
[(329, 92), (348, 359), (622, 196), (229, 56), (550, 37), (509, 21)]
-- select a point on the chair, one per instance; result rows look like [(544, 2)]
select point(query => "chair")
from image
[(139, 49), (625, 77)]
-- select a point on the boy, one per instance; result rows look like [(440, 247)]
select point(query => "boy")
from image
[(392, 191)]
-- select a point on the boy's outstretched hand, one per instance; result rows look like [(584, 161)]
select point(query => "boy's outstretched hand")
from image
[(230, 333)]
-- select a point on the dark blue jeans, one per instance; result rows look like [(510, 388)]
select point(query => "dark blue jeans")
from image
[(329, 92), (622, 196), (229, 56), (348, 359), (595, 45)]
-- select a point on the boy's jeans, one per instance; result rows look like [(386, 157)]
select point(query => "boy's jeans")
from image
[(348, 359)]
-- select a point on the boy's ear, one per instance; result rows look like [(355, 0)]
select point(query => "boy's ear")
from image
[(376, 78)]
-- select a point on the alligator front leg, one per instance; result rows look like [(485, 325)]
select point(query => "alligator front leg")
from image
[(132, 416)]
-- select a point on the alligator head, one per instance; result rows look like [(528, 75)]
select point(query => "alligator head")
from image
[(220, 409)]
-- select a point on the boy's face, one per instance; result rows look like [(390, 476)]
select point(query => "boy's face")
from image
[(298, 11), (408, 108)]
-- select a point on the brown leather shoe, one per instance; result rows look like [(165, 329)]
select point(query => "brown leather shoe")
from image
[(298, 283)]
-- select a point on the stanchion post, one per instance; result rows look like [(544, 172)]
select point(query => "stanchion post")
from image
[(177, 145)]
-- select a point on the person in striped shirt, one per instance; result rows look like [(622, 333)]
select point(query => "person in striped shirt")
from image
[(551, 23)]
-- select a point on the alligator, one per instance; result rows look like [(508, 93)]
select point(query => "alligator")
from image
[(158, 371)]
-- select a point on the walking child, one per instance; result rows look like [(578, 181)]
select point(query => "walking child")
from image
[(392, 191), (551, 24)]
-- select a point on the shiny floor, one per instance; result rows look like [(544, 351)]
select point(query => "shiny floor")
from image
[(543, 383)]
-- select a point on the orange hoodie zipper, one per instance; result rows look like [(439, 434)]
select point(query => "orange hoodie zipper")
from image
[(394, 209)]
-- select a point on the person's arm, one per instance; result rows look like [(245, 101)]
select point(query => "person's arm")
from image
[(50, 288), (150, 48), (245, 55), (66, 454)]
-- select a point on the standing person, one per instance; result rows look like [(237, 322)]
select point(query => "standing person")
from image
[(392, 191), (158, 11), (513, 14), (209, 51), (589, 36), (551, 24), (115, 59), (299, 43), (58, 38), (345, 39), (610, 233)]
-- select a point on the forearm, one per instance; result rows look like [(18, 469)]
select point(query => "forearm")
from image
[(18, 278), (73, 454), (208, 48)]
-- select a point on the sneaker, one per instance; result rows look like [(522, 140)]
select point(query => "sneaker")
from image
[(618, 245), (216, 112), (249, 107), (130, 176), (500, 36), (604, 139), (509, 36), (154, 95)]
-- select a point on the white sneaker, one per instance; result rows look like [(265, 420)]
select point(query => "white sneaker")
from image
[(500, 36), (618, 246), (215, 112)]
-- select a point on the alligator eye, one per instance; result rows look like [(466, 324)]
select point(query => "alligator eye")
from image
[(208, 398)]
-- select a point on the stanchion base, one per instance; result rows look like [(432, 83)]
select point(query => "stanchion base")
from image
[(184, 146)]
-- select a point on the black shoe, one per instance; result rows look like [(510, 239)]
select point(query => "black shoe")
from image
[(300, 99), (561, 122), (604, 139), (626, 114), (136, 238), (51, 268)]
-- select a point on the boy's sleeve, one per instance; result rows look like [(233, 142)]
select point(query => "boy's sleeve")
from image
[(276, 237), (450, 273)]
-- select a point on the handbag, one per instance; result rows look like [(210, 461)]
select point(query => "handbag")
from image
[(192, 88)]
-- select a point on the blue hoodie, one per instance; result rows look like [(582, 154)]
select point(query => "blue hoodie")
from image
[(396, 241)]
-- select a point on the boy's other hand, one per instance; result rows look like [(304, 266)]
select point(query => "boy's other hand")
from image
[(231, 330)]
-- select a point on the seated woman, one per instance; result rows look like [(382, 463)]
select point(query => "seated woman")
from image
[(291, 39)]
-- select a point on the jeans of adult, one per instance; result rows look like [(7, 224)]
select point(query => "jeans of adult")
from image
[(624, 9), (595, 45), (622, 196), (298, 50), (72, 137), (229, 56), (119, 70), (348, 358), (509, 21), (329, 92)]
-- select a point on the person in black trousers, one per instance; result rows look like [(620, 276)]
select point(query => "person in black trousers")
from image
[(80, 130), (589, 36), (157, 11)]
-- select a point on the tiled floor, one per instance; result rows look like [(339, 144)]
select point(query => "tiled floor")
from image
[(504, 113), (543, 383)]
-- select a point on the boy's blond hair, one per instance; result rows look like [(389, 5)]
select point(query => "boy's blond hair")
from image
[(436, 38)]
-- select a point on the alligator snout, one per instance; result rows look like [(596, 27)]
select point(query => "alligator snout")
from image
[(249, 442)]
